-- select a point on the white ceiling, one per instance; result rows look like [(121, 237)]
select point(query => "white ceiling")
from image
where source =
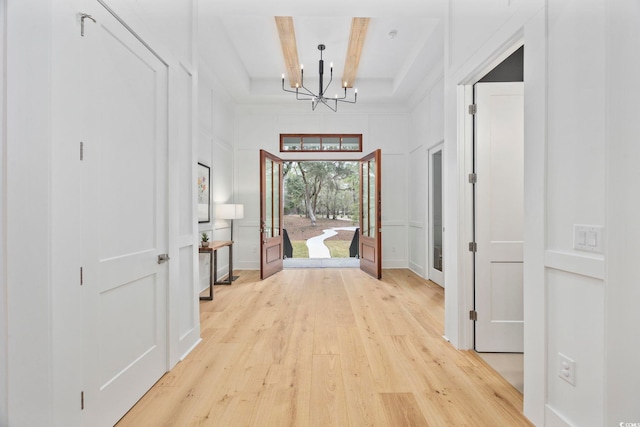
[(238, 41)]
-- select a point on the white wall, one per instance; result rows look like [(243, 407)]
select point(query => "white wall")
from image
[(534, 294), (575, 195), (29, 352), (215, 149), (579, 159), (3, 203), (44, 313), (259, 127), (622, 293), (581, 156), (427, 130), (479, 36)]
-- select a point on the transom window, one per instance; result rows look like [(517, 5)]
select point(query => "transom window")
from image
[(320, 142)]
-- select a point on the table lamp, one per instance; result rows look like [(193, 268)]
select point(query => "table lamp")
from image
[(230, 212)]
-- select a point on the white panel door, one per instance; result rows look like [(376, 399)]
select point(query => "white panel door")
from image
[(124, 204), (499, 216)]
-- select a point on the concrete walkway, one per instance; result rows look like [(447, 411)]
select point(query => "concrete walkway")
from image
[(317, 248)]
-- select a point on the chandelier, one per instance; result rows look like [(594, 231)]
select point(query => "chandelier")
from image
[(304, 94)]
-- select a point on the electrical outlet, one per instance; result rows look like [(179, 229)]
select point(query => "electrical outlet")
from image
[(567, 369)]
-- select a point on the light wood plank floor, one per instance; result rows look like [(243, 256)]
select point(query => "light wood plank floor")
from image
[(328, 347)]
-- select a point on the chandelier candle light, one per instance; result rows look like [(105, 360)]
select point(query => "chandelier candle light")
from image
[(304, 94)]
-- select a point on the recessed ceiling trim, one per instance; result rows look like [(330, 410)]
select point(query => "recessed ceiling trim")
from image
[(356, 42), (289, 48)]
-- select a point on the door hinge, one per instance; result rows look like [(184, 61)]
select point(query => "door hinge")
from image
[(473, 247), (473, 109), (473, 178), (81, 150), (81, 277), (82, 400), (473, 315)]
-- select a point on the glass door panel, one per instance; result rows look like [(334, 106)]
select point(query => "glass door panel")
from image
[(372, 194), (364, 173), (268, 194), (276, 200)]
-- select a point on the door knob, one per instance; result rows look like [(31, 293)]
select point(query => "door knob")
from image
[(163, 258)]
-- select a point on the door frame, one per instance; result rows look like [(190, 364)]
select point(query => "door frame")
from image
[(357, 160), (319, 160), (430, 237), (374, 270), (465, 163), (4, 365), (459, 299)]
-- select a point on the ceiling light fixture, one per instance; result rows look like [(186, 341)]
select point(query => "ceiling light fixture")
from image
[(304, 94)]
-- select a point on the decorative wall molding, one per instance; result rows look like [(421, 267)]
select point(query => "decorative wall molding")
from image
[(585, 265)]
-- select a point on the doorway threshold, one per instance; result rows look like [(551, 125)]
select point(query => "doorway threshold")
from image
[(321, 263)]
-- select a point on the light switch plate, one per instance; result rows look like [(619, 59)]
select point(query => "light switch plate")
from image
[(588, 238)]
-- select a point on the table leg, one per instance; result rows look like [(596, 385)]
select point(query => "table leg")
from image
[(230, 277), (212, 269)]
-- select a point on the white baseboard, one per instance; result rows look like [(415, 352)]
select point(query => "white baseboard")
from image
[(552, 418), (418, 269), (191, 349), (394, 263)]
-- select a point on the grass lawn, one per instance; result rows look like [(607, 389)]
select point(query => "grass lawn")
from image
[(337, 248), (300, 249)]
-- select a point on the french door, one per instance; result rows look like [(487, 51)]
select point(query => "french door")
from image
[(371, 214), (124, 224), (271, 244)]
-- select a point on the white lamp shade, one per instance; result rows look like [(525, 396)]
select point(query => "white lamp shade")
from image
[(229, 211)]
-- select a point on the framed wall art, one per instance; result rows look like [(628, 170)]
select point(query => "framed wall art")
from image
[(204, 193)]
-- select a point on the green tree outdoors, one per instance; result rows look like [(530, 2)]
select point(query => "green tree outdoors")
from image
[(329, 188)]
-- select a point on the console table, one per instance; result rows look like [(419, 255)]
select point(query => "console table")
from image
[(212, 250)]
